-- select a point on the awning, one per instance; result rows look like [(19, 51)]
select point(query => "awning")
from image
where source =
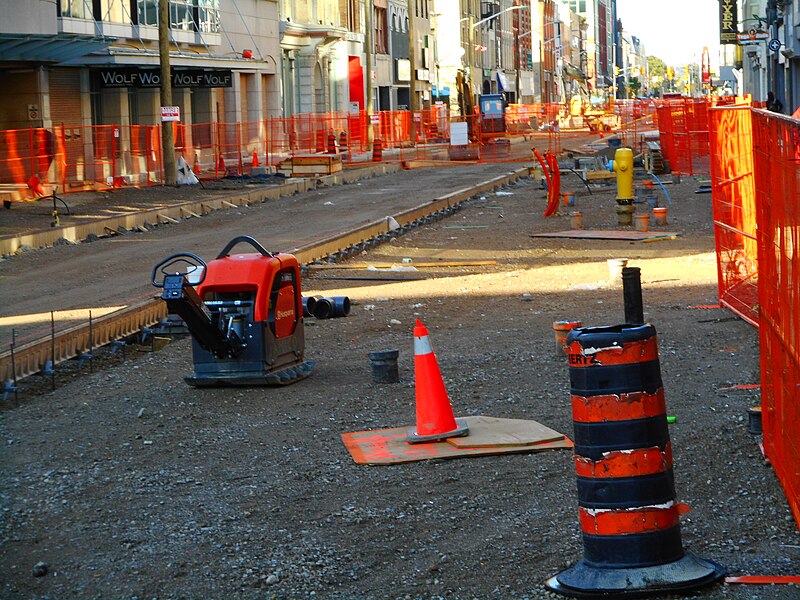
[(42, 48)]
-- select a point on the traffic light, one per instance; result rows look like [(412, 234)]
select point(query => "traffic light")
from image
[(616, 71), (670, 73)]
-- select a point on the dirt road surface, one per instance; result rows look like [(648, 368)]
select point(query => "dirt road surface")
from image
[(128, 483)]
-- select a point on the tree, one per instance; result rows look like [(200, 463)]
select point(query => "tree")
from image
[(634, 85), (658, 73), (656, 66)]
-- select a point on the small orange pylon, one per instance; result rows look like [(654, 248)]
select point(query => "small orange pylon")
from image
[(35, 184), (435, 420), (255, 159), (196, 166), (221, 164)]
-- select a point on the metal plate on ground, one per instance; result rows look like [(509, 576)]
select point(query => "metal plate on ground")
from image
[(389, 446), (608, 234)]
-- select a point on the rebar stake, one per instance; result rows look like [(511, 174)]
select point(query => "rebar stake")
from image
[(632, 295)]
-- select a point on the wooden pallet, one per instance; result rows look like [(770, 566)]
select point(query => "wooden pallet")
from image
[(314, 165)]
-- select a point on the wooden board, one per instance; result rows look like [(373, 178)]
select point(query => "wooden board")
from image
[(488, 432), (608, 234), (389, 265), (390, 446)]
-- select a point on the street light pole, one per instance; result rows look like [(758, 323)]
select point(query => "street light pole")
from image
[(517, 65)]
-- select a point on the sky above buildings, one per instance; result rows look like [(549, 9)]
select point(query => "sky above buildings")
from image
[(674, 31)]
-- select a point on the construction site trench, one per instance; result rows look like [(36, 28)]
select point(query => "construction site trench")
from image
[(126, 482)]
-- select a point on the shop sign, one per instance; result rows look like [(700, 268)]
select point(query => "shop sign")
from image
[(728, 21), (403, 69), (151, 78)]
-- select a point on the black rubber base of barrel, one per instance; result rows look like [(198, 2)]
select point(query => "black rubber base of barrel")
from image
[(584, 581)]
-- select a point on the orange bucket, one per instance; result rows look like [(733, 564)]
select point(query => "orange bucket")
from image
[(561, 330)]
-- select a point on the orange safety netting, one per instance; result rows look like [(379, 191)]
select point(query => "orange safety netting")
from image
[(34, 162), (683, 127), (776, 155), (731, 139)]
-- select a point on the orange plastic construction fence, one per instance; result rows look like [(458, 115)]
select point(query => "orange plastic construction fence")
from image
[(33, 162), (776, 145), (733, 189), (683, 128)]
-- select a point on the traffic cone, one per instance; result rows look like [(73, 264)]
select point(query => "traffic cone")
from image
[(331, 143), (435, 420), (255, 159), (221, 164), (35, 184), (196, 166)]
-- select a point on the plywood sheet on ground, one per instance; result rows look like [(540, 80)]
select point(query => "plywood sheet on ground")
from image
[(389, 446), (488, 432), (607, 234)]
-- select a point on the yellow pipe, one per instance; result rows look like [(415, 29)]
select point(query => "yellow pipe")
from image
[(623, 167)]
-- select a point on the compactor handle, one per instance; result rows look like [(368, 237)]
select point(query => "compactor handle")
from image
[(181, 258), (244, 238)]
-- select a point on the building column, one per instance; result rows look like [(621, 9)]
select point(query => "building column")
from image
[(233, 105)]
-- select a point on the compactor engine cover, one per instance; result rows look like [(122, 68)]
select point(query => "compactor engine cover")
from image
[(245, 315)]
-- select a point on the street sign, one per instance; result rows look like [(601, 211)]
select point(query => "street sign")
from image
[(752, 37), (774, 45), (170, 113)]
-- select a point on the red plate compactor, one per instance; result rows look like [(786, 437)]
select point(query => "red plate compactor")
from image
[(245, 315)]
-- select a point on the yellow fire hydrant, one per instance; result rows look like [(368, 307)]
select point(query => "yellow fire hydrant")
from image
[(622, 165)]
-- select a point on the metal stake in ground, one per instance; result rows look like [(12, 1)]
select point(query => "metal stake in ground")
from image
[(14, 365), (91, 344), (53, 350), (632, 295)]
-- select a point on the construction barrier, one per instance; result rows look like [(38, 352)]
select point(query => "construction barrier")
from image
[(33, 162), (623, 460), (776, 164), (756, 186), (683, 128), (734, 208)]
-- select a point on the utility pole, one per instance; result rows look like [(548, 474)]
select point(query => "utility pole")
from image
[(369, 43), (412, 58), (516, 63), (167, 136)]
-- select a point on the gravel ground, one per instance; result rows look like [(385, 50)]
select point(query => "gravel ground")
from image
[(125, 482)]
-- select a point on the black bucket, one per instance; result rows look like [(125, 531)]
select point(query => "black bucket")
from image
[(384, 366)]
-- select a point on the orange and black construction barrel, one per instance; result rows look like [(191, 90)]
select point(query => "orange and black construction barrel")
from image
[(377, 150), (343, 142), (628, 514), (320, 142), (331, 143)]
